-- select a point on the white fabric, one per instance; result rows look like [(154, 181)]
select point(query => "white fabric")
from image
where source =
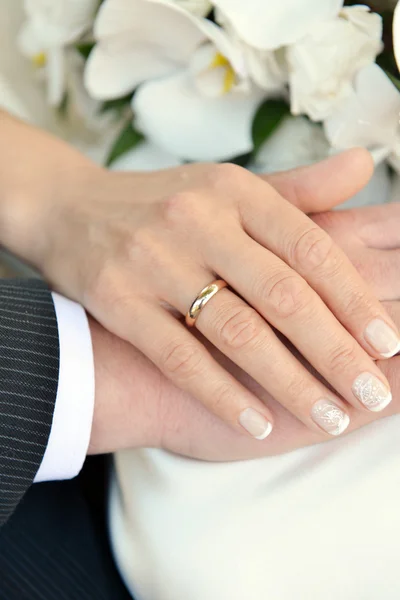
[(321, 523), (72, 420)]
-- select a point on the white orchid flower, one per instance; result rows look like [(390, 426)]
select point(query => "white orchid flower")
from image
[(267, 68), (316, 47), (50, 26), (322, 65), (264, 29), (369, 117), (195, 99), (270, 24)]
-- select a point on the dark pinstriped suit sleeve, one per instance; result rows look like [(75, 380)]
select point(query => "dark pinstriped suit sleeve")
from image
[(29, 368)]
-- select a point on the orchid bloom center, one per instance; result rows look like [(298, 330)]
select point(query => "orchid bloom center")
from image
[(39, 60), (220, 61)]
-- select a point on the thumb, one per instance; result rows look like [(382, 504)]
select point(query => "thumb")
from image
[(320, 187)]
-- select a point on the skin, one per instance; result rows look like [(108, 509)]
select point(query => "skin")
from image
[(136, 405), (130, 246)]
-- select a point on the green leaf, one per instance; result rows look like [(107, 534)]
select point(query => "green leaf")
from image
[(127, 139), (84, 49), (394, 80), (266, 120), (118, 105)]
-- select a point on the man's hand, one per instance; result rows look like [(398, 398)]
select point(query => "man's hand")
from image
[(371, 238), (137, 406)]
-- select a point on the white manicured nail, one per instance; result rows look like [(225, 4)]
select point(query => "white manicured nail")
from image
[(255, 423), (330, 417), (383, 338), (371, 392)]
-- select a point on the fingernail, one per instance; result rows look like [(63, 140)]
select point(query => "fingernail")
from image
[(255, 423), (330, 417), (383, 338), (371, 392)]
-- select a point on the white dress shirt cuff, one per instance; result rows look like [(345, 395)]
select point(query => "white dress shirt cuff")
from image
[(73, 413)]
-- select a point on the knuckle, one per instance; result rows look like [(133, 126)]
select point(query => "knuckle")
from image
[(340, 357), (224, 398), (180, 206), (241, 326), (286, 297), (121, 304), (312, 250), (139, 243), (356, 302), (225, 174), (181, 361), (296, 390)]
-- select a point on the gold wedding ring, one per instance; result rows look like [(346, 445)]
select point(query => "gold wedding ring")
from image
[(201, 300)]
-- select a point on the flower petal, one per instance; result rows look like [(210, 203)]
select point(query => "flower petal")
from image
[(138, 40), (224, 44), (116, 67), (323, 64), (173, 115), (266, 24), (267, 68), (29, 41), (296, 142), (145, 157), (160, 23), (61, 22), (369, 117)]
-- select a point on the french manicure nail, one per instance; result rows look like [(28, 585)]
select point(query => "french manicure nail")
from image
[(383, 338), (255, 423), (371, 392), (330, 417)]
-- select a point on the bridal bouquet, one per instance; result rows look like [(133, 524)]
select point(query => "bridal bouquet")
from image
[(269, 84)]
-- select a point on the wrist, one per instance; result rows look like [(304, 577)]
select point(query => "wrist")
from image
[(127, 395), (37, 173)]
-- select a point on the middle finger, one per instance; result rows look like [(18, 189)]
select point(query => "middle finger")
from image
[(286, 301)]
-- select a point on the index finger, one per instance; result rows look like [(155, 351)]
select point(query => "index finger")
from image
[(287, 232)]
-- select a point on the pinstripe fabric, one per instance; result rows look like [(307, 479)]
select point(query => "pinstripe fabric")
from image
[(29, 367), (55, 545)]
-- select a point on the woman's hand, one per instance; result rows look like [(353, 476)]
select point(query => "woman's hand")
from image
[(129, 245), (137, 406)]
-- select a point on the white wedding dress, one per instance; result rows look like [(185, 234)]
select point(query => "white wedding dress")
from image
[(320, 523)]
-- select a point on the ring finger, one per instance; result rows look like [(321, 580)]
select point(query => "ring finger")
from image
[(286, 301), (244, 337)]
